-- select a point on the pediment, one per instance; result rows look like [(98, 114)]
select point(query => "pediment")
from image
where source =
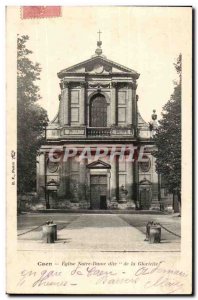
[(99, 164), (145, 182), (98, 65)]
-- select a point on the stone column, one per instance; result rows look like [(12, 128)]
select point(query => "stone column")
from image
[(113, 103), (82, 104), (136, 110), (67, 178), (129, 178), (64, 106), (85, 103), (83, 182), (61, 105), (87, 109), (113, 180), (62, 181), (38, 173), (117, 177), (134, 107), (129, 185), (108, 185), (108, 115), (129, 106), (41, 175), (136, 182)]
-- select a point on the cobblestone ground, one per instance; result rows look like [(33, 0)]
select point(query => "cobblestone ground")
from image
[(98, 232)]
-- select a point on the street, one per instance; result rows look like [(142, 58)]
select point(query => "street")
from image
[(98, 232)]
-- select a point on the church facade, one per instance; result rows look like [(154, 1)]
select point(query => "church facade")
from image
[(97, 125)]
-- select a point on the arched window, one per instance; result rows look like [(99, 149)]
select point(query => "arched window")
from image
[(98, 111)]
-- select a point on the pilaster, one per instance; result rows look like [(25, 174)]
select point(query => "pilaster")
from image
[(117, 177), (41, 174), (82, 103), (113, 103), (82, 179), (136, 182), (134, 106), (129, 106), (64, 104)]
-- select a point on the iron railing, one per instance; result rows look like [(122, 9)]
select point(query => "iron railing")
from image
[(98, 131)]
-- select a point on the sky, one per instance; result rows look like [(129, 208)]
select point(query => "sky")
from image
[(147, 40)]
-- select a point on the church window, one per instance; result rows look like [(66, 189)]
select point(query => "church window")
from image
[(98, 111)]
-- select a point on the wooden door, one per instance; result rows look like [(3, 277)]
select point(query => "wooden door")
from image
[(98, 191), (103, 202), (145, 198), (98, 112)]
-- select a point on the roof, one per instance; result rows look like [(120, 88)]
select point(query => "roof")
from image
[(108, 65)]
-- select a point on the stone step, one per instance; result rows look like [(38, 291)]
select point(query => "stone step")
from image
[(100, 211)]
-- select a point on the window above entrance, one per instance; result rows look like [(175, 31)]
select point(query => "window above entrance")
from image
[(98, 111)]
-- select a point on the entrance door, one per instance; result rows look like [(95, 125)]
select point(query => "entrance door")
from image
[(145, 198), (51, 199), (98, 192), (98, 111)]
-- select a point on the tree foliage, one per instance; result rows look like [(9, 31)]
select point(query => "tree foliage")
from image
[(31, 117), (168, 138)]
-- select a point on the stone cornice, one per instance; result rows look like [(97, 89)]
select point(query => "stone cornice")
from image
[(69, 84), (124, 84)]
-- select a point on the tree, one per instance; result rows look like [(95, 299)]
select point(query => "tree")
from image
[(31, 117), (168, 138)]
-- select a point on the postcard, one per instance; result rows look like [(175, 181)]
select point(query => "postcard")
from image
[(99, 150)]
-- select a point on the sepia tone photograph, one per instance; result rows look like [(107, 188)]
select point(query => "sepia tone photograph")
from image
[(96, 167)]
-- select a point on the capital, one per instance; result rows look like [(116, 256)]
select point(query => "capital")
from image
[(134, 86), (61, 85), (82, 84), (64, 84), (114, 84), (130, 84)]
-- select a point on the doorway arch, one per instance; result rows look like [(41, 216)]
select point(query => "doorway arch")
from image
[(98, 111)]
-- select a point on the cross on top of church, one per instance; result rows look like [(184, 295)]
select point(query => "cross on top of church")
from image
[(99, 44), (99, 33)]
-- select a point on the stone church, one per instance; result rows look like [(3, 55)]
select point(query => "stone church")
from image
[(98, 107)]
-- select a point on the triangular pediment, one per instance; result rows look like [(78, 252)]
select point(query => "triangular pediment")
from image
[(99, 164), (98, 65)]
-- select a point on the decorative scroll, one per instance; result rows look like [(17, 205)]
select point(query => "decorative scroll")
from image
[(99, 85), (98, 68)]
